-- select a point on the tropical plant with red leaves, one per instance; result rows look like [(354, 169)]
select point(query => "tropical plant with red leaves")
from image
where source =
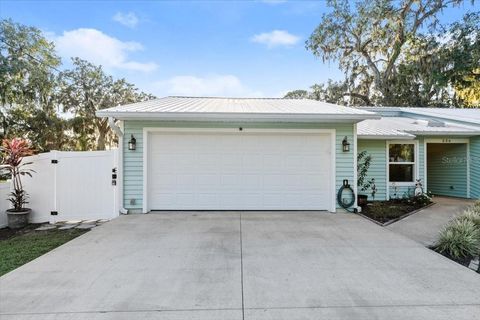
[(13, 151)]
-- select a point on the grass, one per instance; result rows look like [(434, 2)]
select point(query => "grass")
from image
[(27, 244)]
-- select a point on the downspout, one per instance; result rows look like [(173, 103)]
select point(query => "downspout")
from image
[(119, 134)]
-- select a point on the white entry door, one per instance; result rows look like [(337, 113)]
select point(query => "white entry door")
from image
[(240, 170)]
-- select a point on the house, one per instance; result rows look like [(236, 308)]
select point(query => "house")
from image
[(191, 153), (439, 146)]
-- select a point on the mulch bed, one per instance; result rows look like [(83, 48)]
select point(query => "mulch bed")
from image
[(392, 210)]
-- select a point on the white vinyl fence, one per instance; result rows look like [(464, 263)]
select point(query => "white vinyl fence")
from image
[(4, 204), (70, 186)]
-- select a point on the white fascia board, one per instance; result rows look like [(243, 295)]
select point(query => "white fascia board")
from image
[(249, 117), (386, 137), (445, 133)]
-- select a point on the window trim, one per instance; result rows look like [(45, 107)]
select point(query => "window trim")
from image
[(415, 163)]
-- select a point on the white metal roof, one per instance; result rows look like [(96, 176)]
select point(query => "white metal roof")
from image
[(202, 108), (407, 128), (379, 129), (466, 115)]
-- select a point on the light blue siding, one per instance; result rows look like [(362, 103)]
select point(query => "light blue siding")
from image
[(475, 167), (133, 160), (378, 168)]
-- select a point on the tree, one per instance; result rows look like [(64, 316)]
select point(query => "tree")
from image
[(331, 92), (28, 86), (369, 39), (86, 89), (441, 71), (297, 94), (462, 53)]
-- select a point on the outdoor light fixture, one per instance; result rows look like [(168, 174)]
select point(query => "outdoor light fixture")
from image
[(132, 144), (345, 145)]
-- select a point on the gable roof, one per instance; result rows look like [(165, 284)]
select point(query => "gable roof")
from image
[(254, 109)]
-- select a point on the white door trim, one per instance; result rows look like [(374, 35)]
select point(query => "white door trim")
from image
[(147, 131), (446, 141)]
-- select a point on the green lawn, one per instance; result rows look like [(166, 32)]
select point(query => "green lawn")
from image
[(24, 247)]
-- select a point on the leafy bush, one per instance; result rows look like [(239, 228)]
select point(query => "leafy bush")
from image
[(363, 164), (476, 207), (460, 240), (421, 200), (471, 215)]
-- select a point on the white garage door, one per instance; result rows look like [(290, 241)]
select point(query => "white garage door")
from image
[(239, 171)]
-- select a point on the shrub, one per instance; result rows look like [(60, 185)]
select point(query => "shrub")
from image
[(422, 200), (471, 215), (460, 240), (476, 207), (363, 164)]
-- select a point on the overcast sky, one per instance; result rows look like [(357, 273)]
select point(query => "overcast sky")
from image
[(208, 48)]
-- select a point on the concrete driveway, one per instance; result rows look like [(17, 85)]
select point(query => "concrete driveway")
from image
[(240, 266)]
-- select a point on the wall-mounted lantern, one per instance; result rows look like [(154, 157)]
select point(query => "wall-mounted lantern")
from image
[(132, 144), (345, 145)]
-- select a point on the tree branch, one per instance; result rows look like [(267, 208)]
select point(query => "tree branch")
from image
[(365, 98)]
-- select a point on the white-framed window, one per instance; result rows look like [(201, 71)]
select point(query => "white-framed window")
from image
[(402, 162)]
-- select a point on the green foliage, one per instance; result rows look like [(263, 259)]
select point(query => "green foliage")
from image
[(297, 94), (476, 206), (28, 87), (421, 200), (460, 240), (35, 101), (86, 89), (13, 152), (26, 61), (471, 215), (363, 164), (18, 199), (331, 92), (387, 60), (441, 71)]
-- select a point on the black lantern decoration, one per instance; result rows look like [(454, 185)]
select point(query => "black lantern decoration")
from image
[(132, 144), (345, 145)]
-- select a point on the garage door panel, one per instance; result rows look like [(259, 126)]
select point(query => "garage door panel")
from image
[(239, 171), (251, 181)]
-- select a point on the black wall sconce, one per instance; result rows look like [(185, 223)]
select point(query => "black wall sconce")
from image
[(345, 145), (132, 144)]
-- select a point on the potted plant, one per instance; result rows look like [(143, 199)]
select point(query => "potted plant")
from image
[(363, 164), (13, 152)]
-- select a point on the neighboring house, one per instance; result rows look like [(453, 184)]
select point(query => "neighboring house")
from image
[(186, 153)]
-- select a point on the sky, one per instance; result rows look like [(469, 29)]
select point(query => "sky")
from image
[(194, 48)]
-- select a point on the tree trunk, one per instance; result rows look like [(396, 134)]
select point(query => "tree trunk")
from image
[(365, 98), (101, 141)]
